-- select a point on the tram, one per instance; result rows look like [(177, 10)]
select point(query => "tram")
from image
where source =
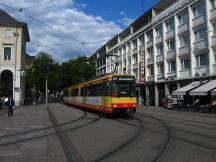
[(110, 94)]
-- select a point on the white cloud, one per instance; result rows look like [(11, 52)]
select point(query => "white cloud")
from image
[(64, 16), (126, 21)]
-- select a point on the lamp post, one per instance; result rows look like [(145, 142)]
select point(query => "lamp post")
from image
[(46, 92)]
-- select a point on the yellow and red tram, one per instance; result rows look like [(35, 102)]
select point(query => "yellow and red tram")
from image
[(111, 94)]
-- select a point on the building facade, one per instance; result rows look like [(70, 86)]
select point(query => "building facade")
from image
[(13, 38), (168, 47)]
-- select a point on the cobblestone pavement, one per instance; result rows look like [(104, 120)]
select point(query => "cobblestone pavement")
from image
[(166, 136)]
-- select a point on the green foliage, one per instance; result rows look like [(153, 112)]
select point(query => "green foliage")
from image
[(59, 76)]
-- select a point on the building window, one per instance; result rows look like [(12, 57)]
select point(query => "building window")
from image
[(8, 33), (149, 36), (183, 19), (135, 59), (150, 52), (160, 50), (170, 25), (172, 66), (214, 59), (214, 27), (171, 45), (199, 10), (200, 34), (159, 31), (184, 40), (134, 44), (7, 53), (160, 69), (202, 60), (213, 4), (129, 61), (185, 64), (141, 40), (151, 70)]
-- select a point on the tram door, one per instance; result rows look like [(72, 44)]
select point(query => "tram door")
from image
[(105, 95)]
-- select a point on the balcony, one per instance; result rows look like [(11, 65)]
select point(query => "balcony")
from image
[(184, 51), (183, 28), (213, 14), (159, 58), (150, 61), (184, 74), (134, 51), (200, 46), (214, 41), (141, 47), (135, 65), (150, 78), (149, 44), (171, 55), (159, 39), (214, 69), (160, 77), (124, 55), (199, 20), (202, 69), (129, 53), (170, 34), (171, 74)]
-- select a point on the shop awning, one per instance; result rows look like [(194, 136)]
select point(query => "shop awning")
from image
[(185, 89), (204, 89), (213, 93)]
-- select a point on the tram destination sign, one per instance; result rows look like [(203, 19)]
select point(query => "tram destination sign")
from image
[(126, 78)]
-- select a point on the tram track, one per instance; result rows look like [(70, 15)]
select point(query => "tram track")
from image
[(185, 121), (124, 144), (176, 137), (166, 146)]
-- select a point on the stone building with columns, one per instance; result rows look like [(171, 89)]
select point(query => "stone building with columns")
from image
[(13, 38), (168, 47)]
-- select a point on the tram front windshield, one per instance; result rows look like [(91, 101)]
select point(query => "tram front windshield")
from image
[(123, 87)]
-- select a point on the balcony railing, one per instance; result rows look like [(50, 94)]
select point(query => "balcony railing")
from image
[(199, 20), (170, 55), (150, 78), (200, 46), (149, 44), (183, 51), (159, 39), (150, 61), (213, 14), (170, 34), (183, 28), (159, 58), (214, 41), (134, 51)]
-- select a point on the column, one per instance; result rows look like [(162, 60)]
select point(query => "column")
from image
[(156, 95), (167, 90), (147, 96)]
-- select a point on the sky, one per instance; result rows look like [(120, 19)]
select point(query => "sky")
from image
[(69, 28)]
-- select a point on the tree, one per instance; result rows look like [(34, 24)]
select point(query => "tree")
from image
[(59, 77)]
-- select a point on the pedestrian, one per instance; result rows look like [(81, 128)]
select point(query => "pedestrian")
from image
[(10, 104)]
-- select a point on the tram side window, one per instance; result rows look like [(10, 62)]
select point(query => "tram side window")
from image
[(74, 92), (114, 89), (66, 93), (91, 90), (103, 89), (82, 91), (100, 90)]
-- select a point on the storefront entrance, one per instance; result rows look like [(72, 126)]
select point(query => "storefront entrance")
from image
[(6, 83)]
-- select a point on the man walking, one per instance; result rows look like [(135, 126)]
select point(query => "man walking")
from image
[(10, 106)]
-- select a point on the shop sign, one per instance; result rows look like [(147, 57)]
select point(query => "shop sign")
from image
[(142, 67)]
